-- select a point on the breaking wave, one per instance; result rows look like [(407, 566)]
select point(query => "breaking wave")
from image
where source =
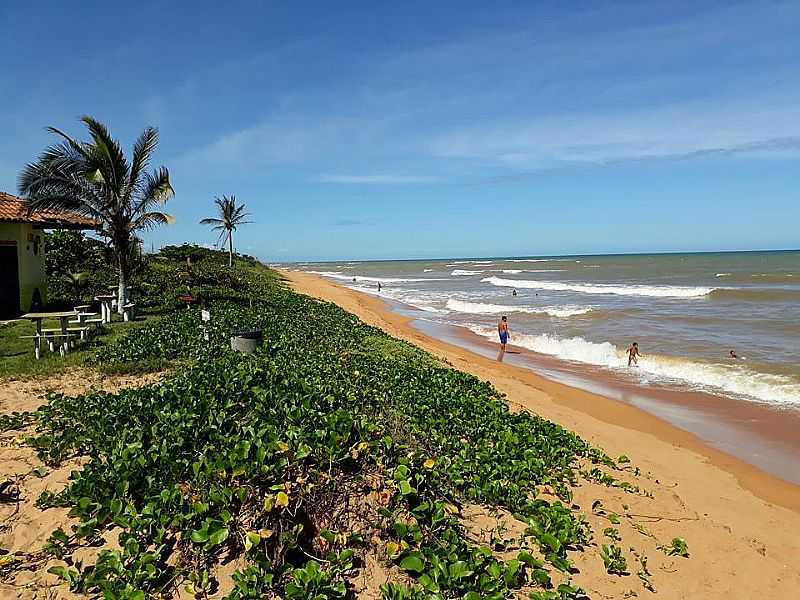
[(482, 308), (457, 272), (338, 275), (664, 291), (727, 378), (517, 271)]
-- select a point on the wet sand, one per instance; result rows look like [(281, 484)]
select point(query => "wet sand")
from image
[(744, 534)]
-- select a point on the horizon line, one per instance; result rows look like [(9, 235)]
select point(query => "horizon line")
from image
[(542, 256)]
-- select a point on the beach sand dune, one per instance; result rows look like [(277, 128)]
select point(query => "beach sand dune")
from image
[(740, 523), (25, 528)]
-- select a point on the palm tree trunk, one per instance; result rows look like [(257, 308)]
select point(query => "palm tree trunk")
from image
[(122, 291), (230, 249)]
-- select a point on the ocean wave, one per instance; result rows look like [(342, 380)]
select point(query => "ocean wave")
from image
[(483, 308), (359, 278), (536, 260), (517, 271), (417, 302), (714, 377), (761, 278), (457, 272), (663, 291), (469, 262), (757, 294), (427, 270)]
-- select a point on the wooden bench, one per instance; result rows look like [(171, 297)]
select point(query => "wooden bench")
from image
[(128, 311)]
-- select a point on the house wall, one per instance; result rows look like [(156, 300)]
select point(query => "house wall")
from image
[(30, 261)]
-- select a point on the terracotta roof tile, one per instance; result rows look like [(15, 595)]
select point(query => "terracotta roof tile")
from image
[(15, 210)]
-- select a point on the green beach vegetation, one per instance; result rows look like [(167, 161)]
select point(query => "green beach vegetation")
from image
[(332, 445)]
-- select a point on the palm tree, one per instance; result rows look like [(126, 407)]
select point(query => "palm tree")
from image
[(77, 282), (230, 217), (95, 179)]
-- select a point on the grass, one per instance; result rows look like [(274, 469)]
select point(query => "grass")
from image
[(17, 359)]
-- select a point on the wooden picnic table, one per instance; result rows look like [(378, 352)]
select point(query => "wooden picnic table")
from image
[(37, 318), (106, 310)]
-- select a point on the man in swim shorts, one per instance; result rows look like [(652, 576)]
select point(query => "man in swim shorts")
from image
[(633, 353), (502, 330)]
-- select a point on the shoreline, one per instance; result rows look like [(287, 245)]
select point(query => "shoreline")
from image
[(761, 436), (740, 523), (615, 426)]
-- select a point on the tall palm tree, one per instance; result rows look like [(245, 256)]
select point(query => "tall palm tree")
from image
[(230, 217), (95, 179)]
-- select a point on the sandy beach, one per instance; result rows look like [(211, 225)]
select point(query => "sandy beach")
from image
[(739, 521)]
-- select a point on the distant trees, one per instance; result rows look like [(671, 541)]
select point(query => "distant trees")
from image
[(230, 216), (96, 180)]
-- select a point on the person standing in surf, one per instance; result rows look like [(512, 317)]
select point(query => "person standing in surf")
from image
[(502, 330), (633, 354)]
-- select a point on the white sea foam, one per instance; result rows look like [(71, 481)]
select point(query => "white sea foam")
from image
[(338, 275), (518, 271), (455, 263), (518, 260), (457, 272), (722, 275), (714, 377), (427, 270), (483, 308), (403, 296), (664, 291)]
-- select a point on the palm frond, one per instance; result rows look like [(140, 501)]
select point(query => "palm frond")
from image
[(149, 220), (156, 190), (108, 153), (79, 147), (143, 150)]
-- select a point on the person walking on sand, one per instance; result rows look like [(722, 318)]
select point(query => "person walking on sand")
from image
[(633, 354), (502, 330)]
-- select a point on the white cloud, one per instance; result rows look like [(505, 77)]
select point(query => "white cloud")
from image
[(539, 95), (766, 124)]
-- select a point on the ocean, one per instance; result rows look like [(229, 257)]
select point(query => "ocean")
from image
[(686, 311)]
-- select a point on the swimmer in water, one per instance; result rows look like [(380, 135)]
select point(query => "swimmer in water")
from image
[(633, 354), (733, 354)]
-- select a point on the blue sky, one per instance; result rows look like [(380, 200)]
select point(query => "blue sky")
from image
[(420, 129)]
